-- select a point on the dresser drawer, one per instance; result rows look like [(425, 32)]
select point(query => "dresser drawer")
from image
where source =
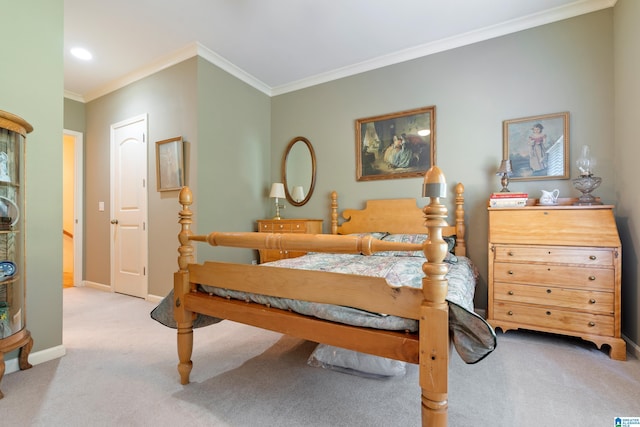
[(586, 301), (554, 318), (275, 227), (283, 226), (298, 227), (551, 274), (554, 254)]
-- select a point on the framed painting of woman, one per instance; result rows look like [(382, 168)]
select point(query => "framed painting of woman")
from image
[(537, 146)]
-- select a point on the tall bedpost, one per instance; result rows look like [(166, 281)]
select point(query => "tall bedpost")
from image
[(182, 286), (434, 312), (334, 212), (461, 244)]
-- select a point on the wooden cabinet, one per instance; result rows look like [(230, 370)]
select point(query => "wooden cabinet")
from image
[(13, 332), (557, 269), (309, 226)]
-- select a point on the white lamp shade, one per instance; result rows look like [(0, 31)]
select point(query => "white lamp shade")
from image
[(298, 193), (277, 190)]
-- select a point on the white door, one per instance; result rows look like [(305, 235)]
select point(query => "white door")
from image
[(129, 207)]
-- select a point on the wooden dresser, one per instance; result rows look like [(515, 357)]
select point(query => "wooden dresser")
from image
[(310, 226), (556, 269)]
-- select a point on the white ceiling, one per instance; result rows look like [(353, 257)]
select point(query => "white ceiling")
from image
[(282, 45)]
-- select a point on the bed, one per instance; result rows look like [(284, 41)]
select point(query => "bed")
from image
[(206, 293)]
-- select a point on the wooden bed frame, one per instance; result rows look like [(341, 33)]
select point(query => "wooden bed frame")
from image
[(429, 347)]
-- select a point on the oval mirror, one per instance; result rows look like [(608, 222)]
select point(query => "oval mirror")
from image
[(299, 171)]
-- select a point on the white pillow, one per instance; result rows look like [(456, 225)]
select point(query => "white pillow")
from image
[(355, 363)]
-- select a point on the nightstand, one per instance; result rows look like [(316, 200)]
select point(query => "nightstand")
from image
[(309, 226), (556, 269)]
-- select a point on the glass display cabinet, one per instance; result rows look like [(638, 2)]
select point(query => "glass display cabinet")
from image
[(13, 332)]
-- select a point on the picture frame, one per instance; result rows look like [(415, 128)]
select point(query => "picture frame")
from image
[(538, 146), (396, 145), (170, 164)]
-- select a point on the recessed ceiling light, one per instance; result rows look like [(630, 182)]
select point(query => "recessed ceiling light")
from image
[(81, 53)]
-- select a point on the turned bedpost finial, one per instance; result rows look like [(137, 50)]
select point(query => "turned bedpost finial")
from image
[(435, 248), (185, 250), (434, 184)]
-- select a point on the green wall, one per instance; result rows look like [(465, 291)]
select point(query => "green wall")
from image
[(31, 84), (565, 66), (169, 100), (233, 158), (225, 124)]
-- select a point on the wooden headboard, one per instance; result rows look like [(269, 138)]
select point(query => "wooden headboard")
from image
[(397, 216)]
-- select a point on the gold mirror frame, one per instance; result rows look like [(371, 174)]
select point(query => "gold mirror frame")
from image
[(285, 158)]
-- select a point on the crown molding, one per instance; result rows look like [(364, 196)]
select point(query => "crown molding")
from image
[(160, 64), (571, 10), (74, 96), (534, 20), (232, 69)]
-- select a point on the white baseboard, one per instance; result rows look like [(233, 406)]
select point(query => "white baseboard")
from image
[(96, 285), (150, 297), (36, 358), (154, 298)]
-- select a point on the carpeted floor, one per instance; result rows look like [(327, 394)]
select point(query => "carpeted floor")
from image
[(120, 369)]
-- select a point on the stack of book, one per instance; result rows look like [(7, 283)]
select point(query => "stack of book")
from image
[(5, 223), (508, 200)]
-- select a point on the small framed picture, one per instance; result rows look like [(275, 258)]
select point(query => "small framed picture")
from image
[(396, 145), (170, 164), (537, 146)]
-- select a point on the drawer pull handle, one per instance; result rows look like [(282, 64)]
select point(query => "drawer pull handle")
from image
[(548, 291), (281, 226), (548, 313), (592, 278), (592, 324), (510, 253), (592, 301), (510, 292), (592, 257), (510, 313), (510, 272)]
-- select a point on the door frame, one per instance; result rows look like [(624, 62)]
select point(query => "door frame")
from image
[(78, 205)]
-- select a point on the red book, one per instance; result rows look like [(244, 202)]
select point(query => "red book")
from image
[(509, 195)]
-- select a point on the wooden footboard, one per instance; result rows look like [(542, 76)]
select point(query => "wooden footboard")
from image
[(429, 348)]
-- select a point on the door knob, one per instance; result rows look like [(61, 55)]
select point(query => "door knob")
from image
[(114, 221)]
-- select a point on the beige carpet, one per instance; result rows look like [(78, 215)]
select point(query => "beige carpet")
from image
[(120, 369)]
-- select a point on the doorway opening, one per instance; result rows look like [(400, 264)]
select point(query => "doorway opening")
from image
[(72, 184)]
